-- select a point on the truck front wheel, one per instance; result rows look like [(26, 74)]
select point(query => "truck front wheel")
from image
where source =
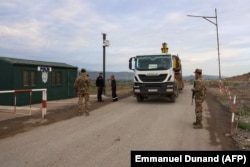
[(139, 98), (172, 98)]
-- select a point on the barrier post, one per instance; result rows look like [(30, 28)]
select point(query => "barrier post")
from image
[(233, 110), (30, 101), (220, 86), (15, 103), (44, 103)]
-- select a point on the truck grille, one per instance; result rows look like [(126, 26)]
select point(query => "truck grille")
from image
[(159, 78)]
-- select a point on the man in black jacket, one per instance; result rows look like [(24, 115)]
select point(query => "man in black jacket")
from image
[(113, 88), (100, 85)]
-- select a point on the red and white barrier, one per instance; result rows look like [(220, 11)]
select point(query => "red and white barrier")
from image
[(228, 93), (225, 89), (44, 98)]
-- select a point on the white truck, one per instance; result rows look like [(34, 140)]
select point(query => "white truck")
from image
[(154, 75)]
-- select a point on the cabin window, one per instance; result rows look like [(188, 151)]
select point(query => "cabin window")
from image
[(29, 78), (56, 78)]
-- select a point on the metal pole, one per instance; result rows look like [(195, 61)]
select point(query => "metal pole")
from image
[(104, 61), (218, 45), (217, 32)]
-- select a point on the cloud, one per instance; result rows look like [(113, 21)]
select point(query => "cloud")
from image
[(70, 31)]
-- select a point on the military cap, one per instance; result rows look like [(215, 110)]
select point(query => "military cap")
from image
[(83, 70), (197, 70)]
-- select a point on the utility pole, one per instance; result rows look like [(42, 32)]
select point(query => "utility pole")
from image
[(104, 45), (216, 24)]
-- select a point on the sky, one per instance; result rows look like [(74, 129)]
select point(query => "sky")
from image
[(70, 31)]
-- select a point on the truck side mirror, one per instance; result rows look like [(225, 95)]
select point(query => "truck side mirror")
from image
[(130, 63)]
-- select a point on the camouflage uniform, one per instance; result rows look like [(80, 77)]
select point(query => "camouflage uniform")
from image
[(200, 94), (81, 85)]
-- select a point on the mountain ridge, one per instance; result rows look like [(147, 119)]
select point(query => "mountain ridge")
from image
[(129, 76)]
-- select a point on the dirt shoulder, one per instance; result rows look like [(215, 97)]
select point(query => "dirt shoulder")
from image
[(11, 127), (220, 122)]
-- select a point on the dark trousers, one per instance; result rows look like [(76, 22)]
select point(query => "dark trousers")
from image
[(99, 93), (114, 95)]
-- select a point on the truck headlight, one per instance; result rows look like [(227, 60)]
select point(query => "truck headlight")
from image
[(169, 90), (137, 90)]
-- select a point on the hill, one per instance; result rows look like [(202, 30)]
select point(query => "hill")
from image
[(243, 77), (129, 76), (118, 75), (205, 77)]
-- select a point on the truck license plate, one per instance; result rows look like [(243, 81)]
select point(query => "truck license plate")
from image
[(152, 90)]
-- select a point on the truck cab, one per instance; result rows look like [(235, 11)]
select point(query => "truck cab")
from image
[(154, 75)]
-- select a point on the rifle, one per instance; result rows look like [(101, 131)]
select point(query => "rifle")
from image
[(193, 94)]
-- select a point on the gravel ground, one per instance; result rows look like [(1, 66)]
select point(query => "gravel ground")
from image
[(108, 135), (242, 92)]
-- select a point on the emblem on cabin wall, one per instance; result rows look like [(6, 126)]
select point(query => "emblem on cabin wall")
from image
[(45, 72), (44, 77)]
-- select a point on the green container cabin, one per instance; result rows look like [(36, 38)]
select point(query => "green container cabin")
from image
[(17, 74)]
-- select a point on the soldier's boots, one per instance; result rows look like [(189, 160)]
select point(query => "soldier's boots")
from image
[(198, 125), (80, 113)]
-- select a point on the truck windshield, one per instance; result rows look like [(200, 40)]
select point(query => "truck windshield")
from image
[(153, 62)]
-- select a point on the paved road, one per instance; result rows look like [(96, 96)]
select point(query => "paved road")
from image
[(107, 136)]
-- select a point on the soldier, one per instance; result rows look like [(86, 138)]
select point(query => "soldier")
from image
[(113, 88), (81, 85), (199, 91)]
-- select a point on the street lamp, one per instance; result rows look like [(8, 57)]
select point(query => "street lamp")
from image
[(104, 45), (216, 24)]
